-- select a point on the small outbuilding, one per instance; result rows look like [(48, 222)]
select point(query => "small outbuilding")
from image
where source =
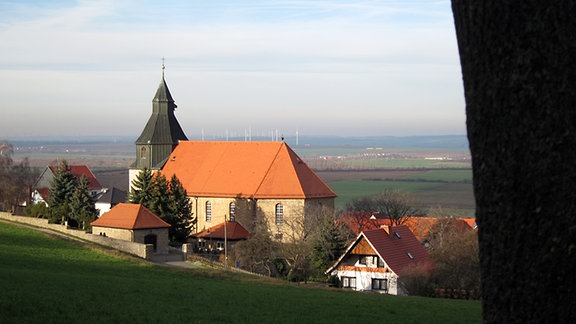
[(134, 223), (214, 238)]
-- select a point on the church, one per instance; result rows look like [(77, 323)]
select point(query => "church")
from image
[(257, 184)]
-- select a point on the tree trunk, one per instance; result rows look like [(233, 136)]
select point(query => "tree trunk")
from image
[(519, 74)]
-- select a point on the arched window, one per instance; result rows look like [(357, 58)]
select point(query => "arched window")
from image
[(208, 211), (143, 152), (279, 214), (232, 211)]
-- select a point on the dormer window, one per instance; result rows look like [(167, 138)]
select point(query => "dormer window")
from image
[(410, 256), (397, 234)]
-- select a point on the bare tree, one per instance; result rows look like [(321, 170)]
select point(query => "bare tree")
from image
[(518, 71), (15, 178), (395, 204)]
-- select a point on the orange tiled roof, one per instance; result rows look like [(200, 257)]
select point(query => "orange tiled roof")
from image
[(130, 216), (243, 170), (420, 226), (233, 231)]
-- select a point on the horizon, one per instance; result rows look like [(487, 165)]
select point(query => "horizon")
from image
[(368, 68)]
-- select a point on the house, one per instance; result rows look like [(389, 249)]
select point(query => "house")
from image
[(41, 188), (214, 238), (109, 199), (244, 182), (377, 259), (134, 223), (248, 182)]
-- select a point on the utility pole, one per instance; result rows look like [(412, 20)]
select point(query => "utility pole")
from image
[(225, 245)]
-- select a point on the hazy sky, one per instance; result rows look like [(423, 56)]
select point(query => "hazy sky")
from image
[(91, 67)]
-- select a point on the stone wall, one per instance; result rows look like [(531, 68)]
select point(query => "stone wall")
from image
[(140, 250)]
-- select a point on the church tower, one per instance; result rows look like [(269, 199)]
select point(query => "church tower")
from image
[(160, 135)]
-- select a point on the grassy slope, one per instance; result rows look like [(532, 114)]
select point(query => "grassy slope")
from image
[(50, 280)]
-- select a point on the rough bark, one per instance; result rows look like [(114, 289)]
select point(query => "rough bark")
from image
[(519, 78)]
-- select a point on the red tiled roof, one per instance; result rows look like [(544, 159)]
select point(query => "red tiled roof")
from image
[(420, 226), (243, 170), (130, 216), (81, 170), (233, 231), (394, 248), (396, 245)]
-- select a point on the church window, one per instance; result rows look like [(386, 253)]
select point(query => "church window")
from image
[(143, 152), (232, 211), (279, 214), (208, 211)]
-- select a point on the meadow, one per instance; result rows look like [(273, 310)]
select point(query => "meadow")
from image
[(447, 189), (46, 279)]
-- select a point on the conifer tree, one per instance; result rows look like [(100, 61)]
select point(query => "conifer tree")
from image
[(182, 219), (167, 199), (141, 188), (82, 208), (328, 245), (62, 187), (160, 198)]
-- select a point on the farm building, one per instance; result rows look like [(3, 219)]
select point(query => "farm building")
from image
[(377, 260), (134, 223)]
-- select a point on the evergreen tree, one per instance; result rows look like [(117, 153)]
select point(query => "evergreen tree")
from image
[(62, 187), (82, 208), (141, 188), (182, 220), (328, 246), (159, 202), (167, 199)]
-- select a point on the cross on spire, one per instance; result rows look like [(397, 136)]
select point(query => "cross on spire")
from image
[(163, 67)]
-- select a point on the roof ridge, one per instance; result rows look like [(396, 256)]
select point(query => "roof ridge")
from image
[(137, 215)]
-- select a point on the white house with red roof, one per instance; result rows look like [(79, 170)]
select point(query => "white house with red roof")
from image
[(134, 223), (41, 189), (377, 259)]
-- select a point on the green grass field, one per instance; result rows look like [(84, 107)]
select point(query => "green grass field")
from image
[(446, 189), (44, 279)]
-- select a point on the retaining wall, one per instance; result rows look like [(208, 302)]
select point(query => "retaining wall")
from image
[(144, 251)]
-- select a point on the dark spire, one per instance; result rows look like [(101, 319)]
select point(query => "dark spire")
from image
[(162, 132)]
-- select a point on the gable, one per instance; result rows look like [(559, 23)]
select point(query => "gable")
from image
[(363, 248), (243, 170)]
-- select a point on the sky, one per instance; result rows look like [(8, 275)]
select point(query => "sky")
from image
[(316, 67)]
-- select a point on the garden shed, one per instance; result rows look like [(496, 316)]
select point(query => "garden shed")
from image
[(134, 223)]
